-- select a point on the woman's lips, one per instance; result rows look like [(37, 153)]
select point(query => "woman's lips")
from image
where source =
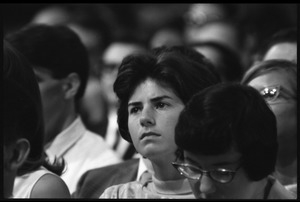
[(149, 134)]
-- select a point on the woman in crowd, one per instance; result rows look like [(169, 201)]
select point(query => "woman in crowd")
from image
[(152, 90), (228, 135), (276, 80)]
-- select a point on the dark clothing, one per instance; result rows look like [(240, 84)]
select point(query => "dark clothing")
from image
[(93, 183)]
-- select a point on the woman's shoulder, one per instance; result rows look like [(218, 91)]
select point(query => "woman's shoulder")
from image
[(50, 185)]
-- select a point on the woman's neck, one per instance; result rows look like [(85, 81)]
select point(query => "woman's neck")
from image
[(287, 174), (163, 169), (258, 189), (286, 156)]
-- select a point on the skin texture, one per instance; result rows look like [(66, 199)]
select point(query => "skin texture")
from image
[(50, 186), (287, 51), (210, 189), (158, 116)]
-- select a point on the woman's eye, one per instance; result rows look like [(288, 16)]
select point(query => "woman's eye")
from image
[(160, 105), (193, 170), (270, 94), (134, 110)]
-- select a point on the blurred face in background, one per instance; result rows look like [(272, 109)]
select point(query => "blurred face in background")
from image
[(53, 101), (281, 95), (287, 51), (112, 58)]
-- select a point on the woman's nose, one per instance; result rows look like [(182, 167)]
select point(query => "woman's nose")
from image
[(206, 185), (147, 119)]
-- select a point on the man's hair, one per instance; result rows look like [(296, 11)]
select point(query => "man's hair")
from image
[(171, 67), (54, 47), (228, 116), (230, 65)]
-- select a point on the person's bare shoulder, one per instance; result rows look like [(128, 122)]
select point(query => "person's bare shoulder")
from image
[(50, 186)]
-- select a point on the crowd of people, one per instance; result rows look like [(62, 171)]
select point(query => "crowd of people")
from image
[(111, 105)]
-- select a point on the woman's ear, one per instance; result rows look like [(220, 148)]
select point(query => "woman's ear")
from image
[(18, 154), (71, 85)]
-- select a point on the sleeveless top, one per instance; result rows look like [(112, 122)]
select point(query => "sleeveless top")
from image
[(24, 184)]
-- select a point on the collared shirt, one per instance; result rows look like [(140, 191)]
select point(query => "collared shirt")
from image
[(278, 191), (82, 150), (144, 166)]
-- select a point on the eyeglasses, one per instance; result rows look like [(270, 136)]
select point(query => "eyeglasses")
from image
[(220, 175), (271, 93)]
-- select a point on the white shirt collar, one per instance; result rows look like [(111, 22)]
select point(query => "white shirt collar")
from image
[(66, 139), (144, 165)]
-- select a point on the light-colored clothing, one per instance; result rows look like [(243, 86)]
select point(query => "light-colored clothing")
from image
[(82, 150), (179, 189), (153, 188), (278, 191), (289, 182), (24, 184), (144, 166), (292, 188)]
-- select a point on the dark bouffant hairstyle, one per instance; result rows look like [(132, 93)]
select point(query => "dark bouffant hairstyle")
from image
[(182, 69)]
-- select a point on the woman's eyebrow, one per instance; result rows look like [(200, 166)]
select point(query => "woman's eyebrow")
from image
[(160, 98), (155, 99)]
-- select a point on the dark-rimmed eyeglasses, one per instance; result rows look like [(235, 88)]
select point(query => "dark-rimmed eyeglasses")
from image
[(220, 175)]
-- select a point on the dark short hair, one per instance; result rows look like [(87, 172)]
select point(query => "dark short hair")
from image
[(231, 67), (53, 47), (169, 66), (22, 110), (228, 116)]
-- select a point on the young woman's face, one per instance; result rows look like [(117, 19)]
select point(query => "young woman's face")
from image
[(153, 112)]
